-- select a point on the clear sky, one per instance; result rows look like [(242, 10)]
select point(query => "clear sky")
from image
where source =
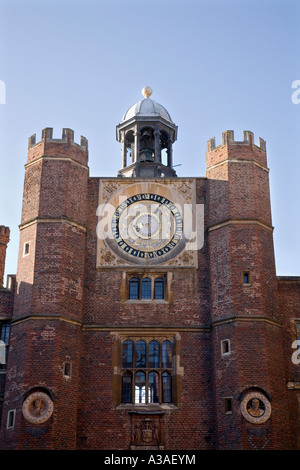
[(214, 65)]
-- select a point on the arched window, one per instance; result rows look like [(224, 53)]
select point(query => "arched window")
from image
[(134, 288), (140, 354), (126, 387), (159, 288), (146, 288), (166, 387), (140, 388), (127, 354), (153, 387), (153, 360)]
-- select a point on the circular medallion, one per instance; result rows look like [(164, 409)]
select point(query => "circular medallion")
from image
[(147, 226), (37, 408), (256, 408)]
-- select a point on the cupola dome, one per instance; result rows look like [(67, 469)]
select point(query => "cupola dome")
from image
[(147, 107), (147, 134)]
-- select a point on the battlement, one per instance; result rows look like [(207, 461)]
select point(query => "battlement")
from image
[(4, 234), (228, 139), (67, 138)]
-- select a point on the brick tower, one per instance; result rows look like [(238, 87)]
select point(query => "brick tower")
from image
[(243, 290), (47, 309), (147, 314)]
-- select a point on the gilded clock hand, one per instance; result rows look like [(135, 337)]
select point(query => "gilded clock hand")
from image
[(158, 208)]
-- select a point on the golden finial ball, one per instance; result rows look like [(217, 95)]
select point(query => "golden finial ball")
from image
[(147, 91)]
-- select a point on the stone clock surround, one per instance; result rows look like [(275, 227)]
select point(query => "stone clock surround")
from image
[(112, 192)]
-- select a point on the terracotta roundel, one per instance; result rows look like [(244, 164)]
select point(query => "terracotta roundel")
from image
[(37, 408), (256, 408)]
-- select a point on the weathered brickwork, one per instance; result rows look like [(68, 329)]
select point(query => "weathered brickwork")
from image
[(230, 321)]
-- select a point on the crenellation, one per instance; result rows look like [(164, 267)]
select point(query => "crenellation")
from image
[(4, 232), (67, 137), (47, 134), (84, 143), (32, 141), (262, 144), (228, 139)]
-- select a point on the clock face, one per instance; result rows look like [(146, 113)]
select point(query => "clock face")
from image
[(147, 226)]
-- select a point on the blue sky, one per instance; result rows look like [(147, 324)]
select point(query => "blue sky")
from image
[(214, 65)]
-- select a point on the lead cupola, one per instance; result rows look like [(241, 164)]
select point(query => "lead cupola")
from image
[(147, 134)]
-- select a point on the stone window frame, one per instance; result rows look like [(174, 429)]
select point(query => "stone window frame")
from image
[(26, 248), (153, 276), (160, 369), (228, 400), (225, 350), (67, 369), (11, 415), (176, 371), (248, 273)]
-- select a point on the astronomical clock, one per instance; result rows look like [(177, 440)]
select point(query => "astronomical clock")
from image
[(147, 223)]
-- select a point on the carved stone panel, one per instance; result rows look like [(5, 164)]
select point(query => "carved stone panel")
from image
[(147, 432)]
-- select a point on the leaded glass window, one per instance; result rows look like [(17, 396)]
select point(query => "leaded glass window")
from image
[(146, 288), (159, 288), (134, 288), (140, 388), (166, 354), (147, 371), (126, 387), (153, 387), (166, 387), (153, 354), (150, 287), (140, 354), (127, 354)]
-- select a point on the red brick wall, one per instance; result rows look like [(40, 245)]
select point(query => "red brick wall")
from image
[(49, 292), (6, 303), (240, 238), (101, 425), (68, 310)]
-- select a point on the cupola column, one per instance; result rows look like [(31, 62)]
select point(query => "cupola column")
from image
[(170, 153), (157, 149), (124, 152), (136, 155)]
